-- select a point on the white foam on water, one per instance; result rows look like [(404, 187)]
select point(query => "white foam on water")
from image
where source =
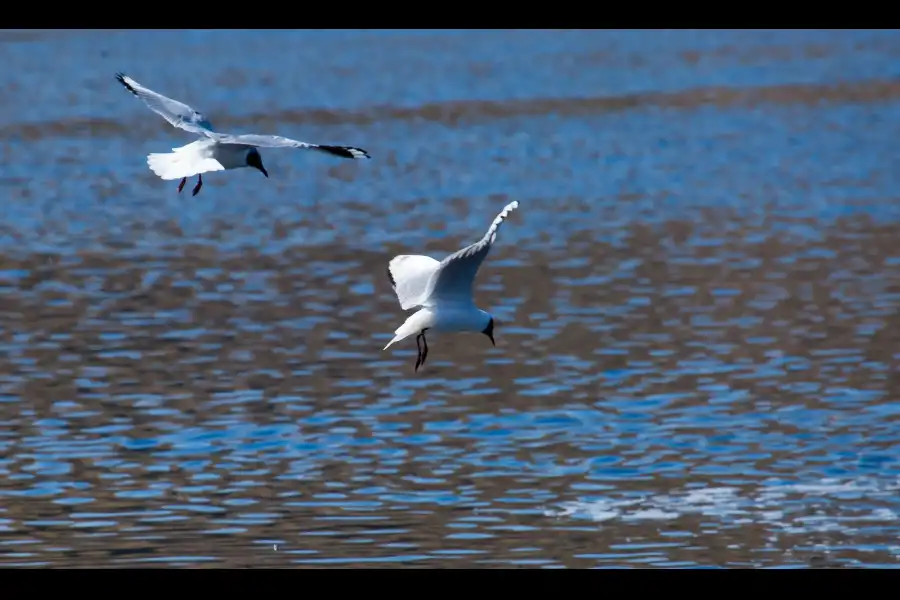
[(827, 505)]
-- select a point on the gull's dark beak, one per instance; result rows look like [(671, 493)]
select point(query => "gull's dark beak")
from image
[(489, 331)]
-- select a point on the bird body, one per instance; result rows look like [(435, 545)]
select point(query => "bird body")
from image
[(214, 151), (442, 290)]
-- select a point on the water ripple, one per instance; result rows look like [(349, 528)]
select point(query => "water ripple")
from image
[(696, 305)]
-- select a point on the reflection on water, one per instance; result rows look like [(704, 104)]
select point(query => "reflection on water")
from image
[(697, 305)]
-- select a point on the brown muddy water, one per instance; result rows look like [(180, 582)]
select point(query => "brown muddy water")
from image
[(697, 302)]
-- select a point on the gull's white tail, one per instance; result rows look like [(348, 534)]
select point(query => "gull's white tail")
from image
[(412, 326), (185, 161)]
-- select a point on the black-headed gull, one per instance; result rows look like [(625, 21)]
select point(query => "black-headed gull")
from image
[(214, 151), (443, 290)]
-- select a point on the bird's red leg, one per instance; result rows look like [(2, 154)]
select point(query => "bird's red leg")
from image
[(198, 186), (181, 185)]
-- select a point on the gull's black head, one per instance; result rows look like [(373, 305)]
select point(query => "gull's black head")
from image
[(255, 160), (489, 330)]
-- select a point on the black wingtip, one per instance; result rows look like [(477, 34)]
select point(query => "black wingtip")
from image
[(346, 151), (120, 77)]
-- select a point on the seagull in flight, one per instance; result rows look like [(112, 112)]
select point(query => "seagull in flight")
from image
[(214, 151), (443, 291)]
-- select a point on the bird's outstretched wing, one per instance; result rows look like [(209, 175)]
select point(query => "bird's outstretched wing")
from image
[(276, 141), (177, 113), (456, 273), (410, 274)]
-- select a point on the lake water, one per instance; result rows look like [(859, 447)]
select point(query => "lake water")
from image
[(697, 344)]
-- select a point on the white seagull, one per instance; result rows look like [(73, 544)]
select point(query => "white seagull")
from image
[(443, 290), (214, 151)]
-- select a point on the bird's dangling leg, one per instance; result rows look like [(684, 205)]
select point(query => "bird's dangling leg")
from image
[(198, 186), (424, 348), (181, 185), (419, 355)]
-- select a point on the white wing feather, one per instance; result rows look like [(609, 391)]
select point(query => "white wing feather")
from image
[(184, 117), (410, 274), (276, 141), (177, 113), (454, 278)]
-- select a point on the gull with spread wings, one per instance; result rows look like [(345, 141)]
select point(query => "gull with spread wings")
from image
[(443, 291), (214, 151)]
